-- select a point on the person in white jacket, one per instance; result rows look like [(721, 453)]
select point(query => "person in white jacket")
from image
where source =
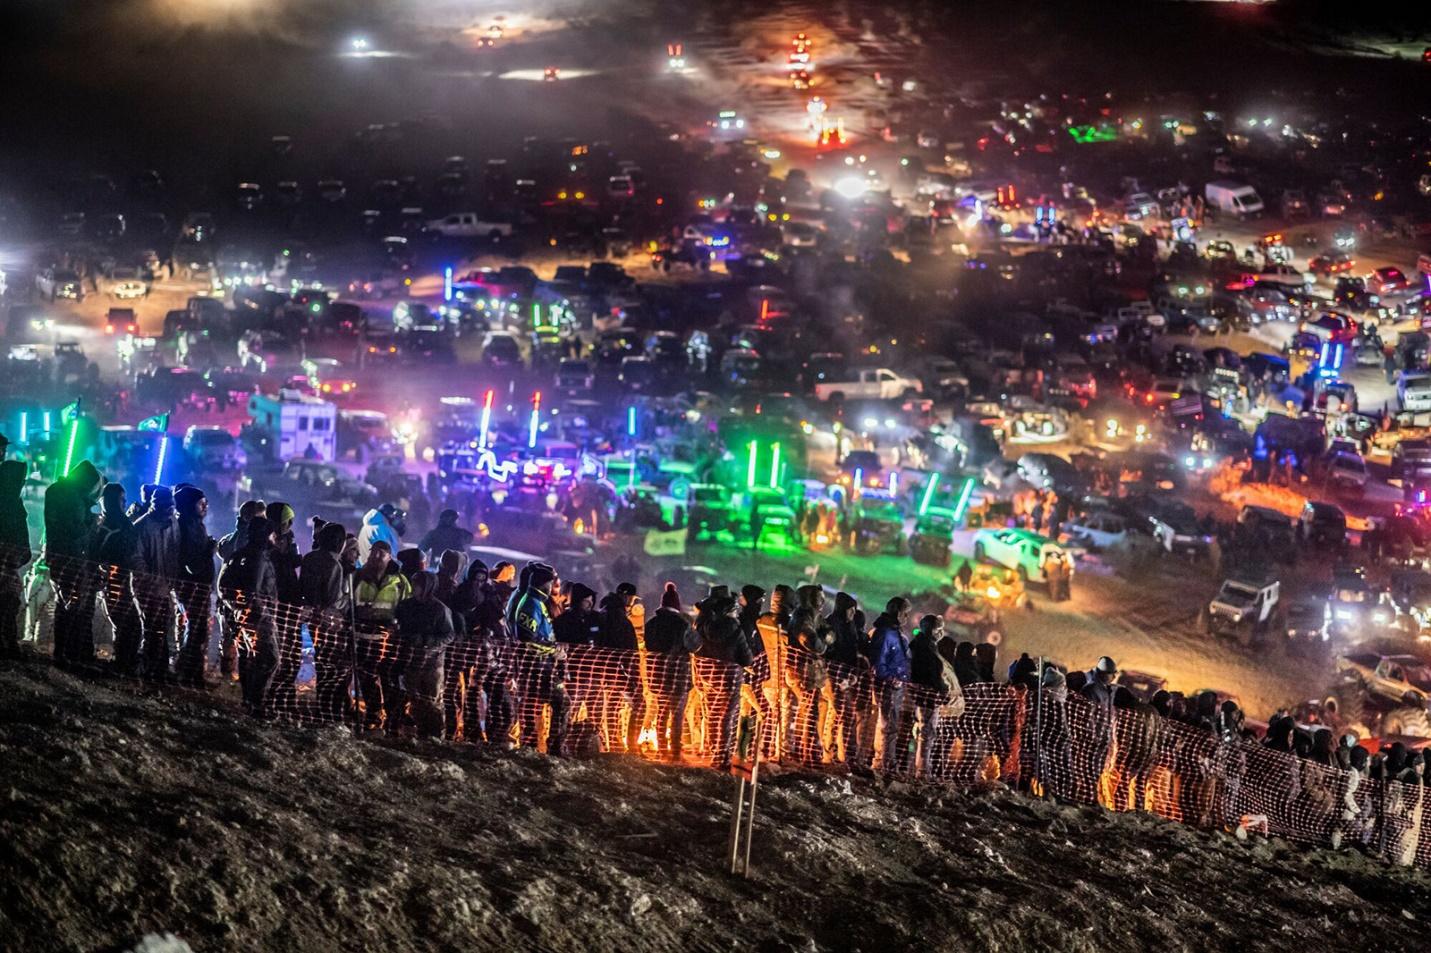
[(386, 524)]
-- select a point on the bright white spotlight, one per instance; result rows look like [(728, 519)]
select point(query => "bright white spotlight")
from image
[(359, 44), (851, 187)]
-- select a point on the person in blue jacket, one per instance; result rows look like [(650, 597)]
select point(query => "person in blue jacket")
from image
[(541, 671), (889, 658)]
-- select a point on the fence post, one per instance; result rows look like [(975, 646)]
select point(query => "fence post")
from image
[(1038, 731)]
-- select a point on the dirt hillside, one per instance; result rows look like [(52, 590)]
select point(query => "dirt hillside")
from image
[(127, 815)]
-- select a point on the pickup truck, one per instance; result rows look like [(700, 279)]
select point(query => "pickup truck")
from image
[(877, 382), (468, 225)]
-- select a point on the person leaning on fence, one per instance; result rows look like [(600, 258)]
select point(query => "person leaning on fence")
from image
[(376, 594), (723, 642), (425, 627), (327, 590), (1099, 689), (249, 590), (771, 627), (889, 657), (14, 555), (69, 536), (758, 693), (670, 640), (930, 687), (158, 568), (116, 549), (849, 681), (195, 583), (541, 662), (809, 636), (621, 675), (228, 545), (463, 693)]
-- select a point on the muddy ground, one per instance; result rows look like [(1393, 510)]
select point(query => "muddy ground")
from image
[(126, 815)]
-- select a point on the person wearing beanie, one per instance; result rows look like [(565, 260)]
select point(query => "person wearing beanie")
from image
[(69, 536), (195, 582), (14, 554), (425, 629), (849, 681), (622, 673), (445, 535), (541, 661), (670, 640), (286, 560), (155, 577), (249, 590), (504, 574), (327, 592)]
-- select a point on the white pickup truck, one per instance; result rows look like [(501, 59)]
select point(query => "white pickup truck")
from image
[(875, 382), (468, 225)]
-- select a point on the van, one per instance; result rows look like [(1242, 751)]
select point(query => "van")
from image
[(1413, 390), (1233, 198)]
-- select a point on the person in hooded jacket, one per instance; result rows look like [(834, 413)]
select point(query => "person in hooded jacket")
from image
[(228, 545), (758, 693), (154, 578), (965, 668), (498, 659), (195, 584), (771, 628), (541, 663), (327, 589), (670, 640), (849, 680), (808, 638), (621, 676), (579, 629), (116, 549), (69, 537), (723, 643), (286, 560), (932, 684), (461, 652), (249, 589), (444, 536), (384, 524), (426, 629), (889, 658), (465, 671), (14, 555)]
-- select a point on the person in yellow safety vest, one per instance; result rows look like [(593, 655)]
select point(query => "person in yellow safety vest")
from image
[(376, 594)]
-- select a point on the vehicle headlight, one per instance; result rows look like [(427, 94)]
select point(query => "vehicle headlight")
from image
[(1344, 615)]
